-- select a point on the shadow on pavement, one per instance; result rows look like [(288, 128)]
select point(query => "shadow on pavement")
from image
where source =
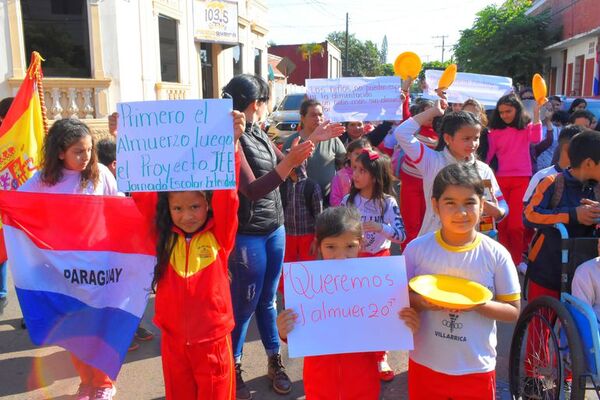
[(24, 374), (15, 339)]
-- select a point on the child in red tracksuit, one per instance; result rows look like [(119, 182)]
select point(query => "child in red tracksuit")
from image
[(193, 306), (347, 376)]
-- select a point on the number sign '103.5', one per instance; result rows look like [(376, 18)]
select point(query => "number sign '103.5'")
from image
[(216, 21)]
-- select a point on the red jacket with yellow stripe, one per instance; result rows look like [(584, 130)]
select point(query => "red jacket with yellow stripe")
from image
[(348, 376), (193, 299)]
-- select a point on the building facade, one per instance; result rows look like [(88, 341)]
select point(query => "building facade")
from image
[(101, 52), (325, 63), (573, 61)]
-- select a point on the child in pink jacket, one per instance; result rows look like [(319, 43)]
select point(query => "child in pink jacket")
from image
[(510, 136)]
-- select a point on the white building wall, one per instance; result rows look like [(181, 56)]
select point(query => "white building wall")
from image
[(5, 59), (131, 51)]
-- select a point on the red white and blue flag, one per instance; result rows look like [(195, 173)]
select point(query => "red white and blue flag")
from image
[(82, 266)]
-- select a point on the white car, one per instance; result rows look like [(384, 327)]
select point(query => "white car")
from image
[(285, 119)]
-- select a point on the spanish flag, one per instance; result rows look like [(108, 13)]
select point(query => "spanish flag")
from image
[(22, 134)]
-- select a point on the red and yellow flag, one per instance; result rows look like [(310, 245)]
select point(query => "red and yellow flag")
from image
[(22, 134)]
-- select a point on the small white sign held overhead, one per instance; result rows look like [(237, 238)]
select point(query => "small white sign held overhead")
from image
[(487, 89), (358, 99), (347, 306)]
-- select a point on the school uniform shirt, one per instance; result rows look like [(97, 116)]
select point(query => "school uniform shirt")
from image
[(586, 284), (70, 183), (429, 162), (454, 342), (389, 217)]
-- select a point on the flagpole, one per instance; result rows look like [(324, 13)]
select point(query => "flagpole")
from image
[(36, 60), (40, 88)]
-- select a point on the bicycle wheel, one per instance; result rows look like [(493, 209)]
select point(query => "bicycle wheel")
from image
[(546, 353)]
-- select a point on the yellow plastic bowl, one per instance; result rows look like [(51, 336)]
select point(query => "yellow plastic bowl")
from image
[(407, 64), (540, 90), (450, 292), (448, 77)]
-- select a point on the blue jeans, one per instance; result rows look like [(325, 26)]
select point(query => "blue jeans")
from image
[(255, 265), (3, 279)]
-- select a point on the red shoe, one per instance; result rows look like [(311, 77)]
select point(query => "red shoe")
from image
[(386, 376), (386, 373)]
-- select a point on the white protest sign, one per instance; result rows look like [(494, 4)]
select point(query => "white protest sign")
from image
[(358, 99), (347, 306), (175, 145), (487, 89)]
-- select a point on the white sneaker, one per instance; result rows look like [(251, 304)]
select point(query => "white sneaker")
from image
[(522, 268), (103, 393)]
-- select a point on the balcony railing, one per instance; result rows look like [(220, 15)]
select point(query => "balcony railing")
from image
[(74, 97)]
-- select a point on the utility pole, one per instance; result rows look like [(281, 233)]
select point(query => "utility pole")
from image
[(443, 46), (346, 49)]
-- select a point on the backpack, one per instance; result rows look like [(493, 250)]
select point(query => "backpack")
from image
[(559, 188)]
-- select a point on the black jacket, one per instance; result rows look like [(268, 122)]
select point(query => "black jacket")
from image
[(262, 216)]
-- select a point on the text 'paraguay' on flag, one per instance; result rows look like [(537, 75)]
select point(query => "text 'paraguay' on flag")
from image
[(82, 268)]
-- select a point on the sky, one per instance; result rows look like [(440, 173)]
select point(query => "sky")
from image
[(410, 25)]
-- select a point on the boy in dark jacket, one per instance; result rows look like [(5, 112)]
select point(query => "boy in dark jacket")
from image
[(571, 198)]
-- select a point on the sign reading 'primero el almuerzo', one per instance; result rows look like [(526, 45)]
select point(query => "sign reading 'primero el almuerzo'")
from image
[(175, 145)]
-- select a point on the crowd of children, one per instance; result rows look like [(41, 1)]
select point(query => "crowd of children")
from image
[(296, 205)]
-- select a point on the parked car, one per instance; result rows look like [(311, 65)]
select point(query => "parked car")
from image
[(285, 118)]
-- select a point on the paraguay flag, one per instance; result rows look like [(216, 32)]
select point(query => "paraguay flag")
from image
[(22, 134), (82, 267)]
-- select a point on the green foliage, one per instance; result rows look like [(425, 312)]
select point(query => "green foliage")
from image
[(504, 41), (433, 65), (308, 50), (387, 69), (364, 59)]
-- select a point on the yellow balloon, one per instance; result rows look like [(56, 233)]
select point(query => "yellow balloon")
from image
[(448, 77), (407, 64), (538, 84)]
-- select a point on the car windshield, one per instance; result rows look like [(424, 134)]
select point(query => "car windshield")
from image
[(291, 102)]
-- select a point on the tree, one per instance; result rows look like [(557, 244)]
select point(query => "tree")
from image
[(504, 41), (308, 50), (364, 58), (387, 70), (384, 50)]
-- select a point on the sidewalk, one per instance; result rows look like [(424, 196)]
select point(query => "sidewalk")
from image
[(31, 373)]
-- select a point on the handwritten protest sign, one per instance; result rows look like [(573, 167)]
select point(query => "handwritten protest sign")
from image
[(175, 145), (487, 89), (347, 306), (358, 99)]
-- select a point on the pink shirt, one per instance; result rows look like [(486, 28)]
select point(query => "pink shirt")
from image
[(511, 146), (340, 186)]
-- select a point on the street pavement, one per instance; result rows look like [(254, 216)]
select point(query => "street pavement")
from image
[(28, 372)]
